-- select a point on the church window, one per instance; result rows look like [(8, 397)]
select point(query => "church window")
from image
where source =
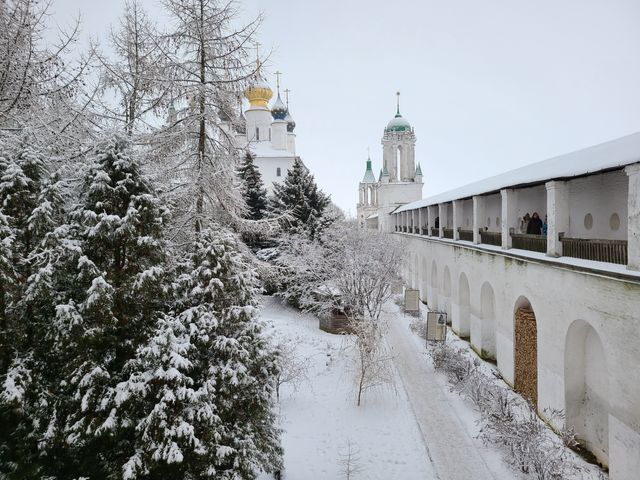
[(269, 134), (398, 164), (257, 134), (278, 172)]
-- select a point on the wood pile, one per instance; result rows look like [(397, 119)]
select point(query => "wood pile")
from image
[(526, 355)]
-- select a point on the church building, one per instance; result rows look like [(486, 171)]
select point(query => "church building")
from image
[(400, 179), (267, 132)]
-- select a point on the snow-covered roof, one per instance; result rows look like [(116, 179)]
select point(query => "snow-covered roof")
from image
[(371, 217), (265, 149), (368, 177), (605, 156)]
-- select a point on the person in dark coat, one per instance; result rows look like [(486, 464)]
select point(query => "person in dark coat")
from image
[(535, 225)]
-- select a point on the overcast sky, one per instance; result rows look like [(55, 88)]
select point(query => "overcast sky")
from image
[(489, 85)]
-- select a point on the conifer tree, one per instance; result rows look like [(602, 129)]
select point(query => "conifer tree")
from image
[(206, 379), (253, 191), (96, 289), (302, 199)]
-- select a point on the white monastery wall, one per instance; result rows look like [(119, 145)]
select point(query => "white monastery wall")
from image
[(600, 196), (493, 212), (467, 215), (587, 333)]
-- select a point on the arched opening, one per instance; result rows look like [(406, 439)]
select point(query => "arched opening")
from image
[(526, 351), (368, 195), (488, 321), (424, 285), (587, 389), (446, 289), (462, 324), (433, 301), (398, 163)]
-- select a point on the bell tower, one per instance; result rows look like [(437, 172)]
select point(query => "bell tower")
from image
[(401, 179), (399, 148)]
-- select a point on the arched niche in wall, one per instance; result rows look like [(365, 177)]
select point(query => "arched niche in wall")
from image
[(525, 345), (462, 323), (434, 286), (488, 321), (586, 383)]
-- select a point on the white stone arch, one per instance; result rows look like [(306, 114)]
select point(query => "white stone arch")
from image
[(424, 283), (433, 301), (462, 311), (586, 385), (488, 321), (446, 292)]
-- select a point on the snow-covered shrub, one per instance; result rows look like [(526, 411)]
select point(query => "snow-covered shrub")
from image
[(507, 420)]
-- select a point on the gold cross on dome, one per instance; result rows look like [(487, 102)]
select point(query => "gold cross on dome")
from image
[(258, 45), (277, 74), (286, 94)]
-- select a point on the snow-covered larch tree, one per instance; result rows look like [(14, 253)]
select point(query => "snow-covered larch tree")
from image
[(134, 74), (40, 86), (206, 379), (206, 68)]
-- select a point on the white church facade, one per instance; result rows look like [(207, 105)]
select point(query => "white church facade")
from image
[(267, 132), (558, 310)]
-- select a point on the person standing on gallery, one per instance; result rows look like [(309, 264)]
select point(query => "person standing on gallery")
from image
[(535, 225)]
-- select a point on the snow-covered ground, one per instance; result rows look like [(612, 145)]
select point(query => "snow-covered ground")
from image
[(419, 430), (321, 418)]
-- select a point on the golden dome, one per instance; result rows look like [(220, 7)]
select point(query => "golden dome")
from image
[(259, 94)]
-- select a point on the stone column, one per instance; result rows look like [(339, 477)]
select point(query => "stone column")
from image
[(430, 219), (442, 221), (633, 211), (457, 218), (420, 221), (509, 215), (557, 215), (478, 217)]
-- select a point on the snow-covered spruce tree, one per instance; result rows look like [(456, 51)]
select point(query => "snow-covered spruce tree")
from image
[(97, 289), (253, 191), (205, 381), (299, 196)]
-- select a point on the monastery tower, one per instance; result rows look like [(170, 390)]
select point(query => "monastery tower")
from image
[(400, 179)]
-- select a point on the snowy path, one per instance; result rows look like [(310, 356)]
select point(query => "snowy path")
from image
[(320, 418), (446, 424)]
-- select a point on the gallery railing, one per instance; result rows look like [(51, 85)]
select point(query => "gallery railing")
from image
[(612, 251), (448, 232), (491, 238), (435, 232), (526, 241), (465, 235)]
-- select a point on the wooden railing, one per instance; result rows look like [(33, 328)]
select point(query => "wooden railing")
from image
[(465, 235), (434, 232), (448, 232), (491, 238), (533, 243), (425, 231), (612, 251)]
